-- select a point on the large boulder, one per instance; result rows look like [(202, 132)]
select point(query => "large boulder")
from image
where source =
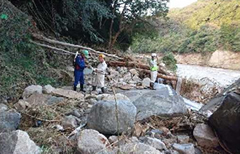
[(225, 121), (102, 116), (205, 136), (9, 120), (32, 89), (17, 142), (108, 97), (164, 101), (91, 141)]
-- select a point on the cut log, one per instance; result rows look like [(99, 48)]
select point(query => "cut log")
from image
[(135, 65), (40, 37)]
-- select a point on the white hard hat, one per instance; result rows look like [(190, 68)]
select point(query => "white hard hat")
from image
[(154, 55)]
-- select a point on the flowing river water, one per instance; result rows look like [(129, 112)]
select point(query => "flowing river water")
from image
[(223, 77)]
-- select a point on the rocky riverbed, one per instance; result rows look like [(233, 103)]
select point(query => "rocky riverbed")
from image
[(130, 118)]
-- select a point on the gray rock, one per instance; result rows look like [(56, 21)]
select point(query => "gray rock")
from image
[(68, 94), (102, 116), (3, 107), (137, 148), (54, 100), (156, 143), (69, 122), (127, 77), (205, 136), (22, 105), (37, 99), (113, 139), (182, 139), (91, 141), (155, 133), (146, 82), (48, 89), (9, 120), (164, 101), (17, 142), (108, 97), (32, 89), (184, 148), (133, 72), (136, 78)]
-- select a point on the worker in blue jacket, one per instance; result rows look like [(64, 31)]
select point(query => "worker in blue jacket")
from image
[(79, 65)]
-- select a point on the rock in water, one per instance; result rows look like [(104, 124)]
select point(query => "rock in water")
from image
[(17, 142), (32, 89), (91, 141), (9, 120), (102, 116), (225, 121), (205, 136), (48, 89), (164, 101)]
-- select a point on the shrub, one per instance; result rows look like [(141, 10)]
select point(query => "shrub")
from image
[(170, 61)]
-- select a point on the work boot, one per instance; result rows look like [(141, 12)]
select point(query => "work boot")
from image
[(74, 88), (103, 90), (152, 86), (81, 88), (94, 88)]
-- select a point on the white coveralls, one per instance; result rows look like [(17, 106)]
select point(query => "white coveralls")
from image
[(100, 75), (154, 68)]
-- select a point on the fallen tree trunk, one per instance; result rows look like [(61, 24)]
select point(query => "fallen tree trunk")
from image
[(166, 77), (135, 65), (40, 37), (53, 48)]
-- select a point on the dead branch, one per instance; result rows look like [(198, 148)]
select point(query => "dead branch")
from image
[(134, 65), (40, 37), (45, 120)]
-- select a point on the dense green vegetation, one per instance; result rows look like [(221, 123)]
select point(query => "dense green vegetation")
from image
[(204, 26)]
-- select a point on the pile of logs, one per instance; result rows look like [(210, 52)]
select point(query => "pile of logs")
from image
[(113, 60)]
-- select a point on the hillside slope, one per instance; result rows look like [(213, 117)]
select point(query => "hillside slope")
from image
[(202, 12), (202, 27)]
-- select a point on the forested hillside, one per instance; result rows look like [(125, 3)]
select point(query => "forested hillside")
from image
[(204, 26), (105, 24)]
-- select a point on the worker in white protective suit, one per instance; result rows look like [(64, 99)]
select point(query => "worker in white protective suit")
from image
[(100, 73), (154, 69)]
